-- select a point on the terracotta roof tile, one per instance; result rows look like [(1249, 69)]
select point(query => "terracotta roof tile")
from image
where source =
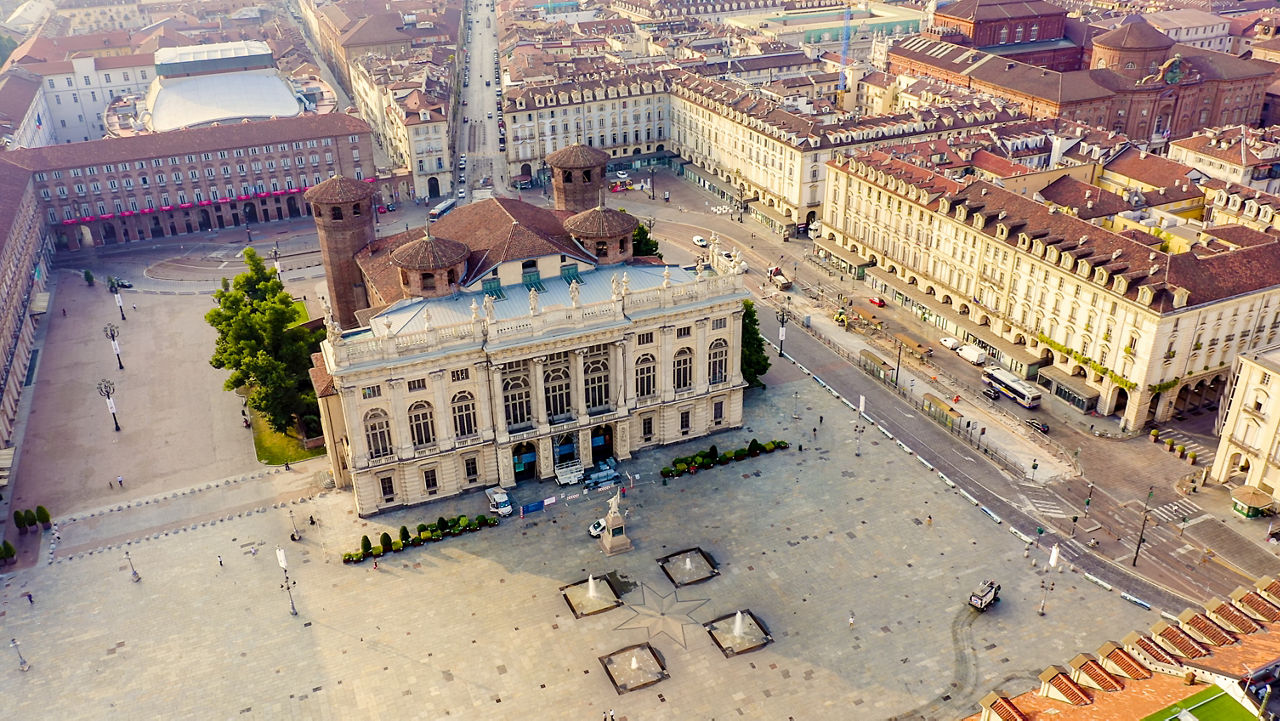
[(1128, 665), (601, 223), (1260, 607), (1155, 650), (1099, 676), (1225, 613), (578, 157), (1086, 201), (1181, 641), (1069, 690), (339, 189), (1134, 33), (1005, 709), (428, 253), (502, 229), (1208, 630), (320, 378)]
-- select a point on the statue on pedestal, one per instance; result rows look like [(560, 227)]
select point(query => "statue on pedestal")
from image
[(575, 288)]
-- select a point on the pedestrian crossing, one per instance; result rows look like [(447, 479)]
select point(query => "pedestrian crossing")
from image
[(1204, 454), (1043, 501), (1175, 511)]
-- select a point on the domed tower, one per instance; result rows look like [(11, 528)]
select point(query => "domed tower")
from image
[(1133, 50), (604, 232), (577, 177), (343, 211), (430, 267)]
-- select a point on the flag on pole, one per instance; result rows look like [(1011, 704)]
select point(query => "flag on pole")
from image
[(1053, 556)]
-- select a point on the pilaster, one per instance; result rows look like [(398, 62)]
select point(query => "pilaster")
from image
[(497, 409), (445, 438), (540, 398), (484, 401), (579, 398), (666, 355), (617, 377), (700, 356)]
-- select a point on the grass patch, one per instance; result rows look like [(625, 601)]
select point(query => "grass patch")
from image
[(274, 448), (299, 313), (1211, 704)]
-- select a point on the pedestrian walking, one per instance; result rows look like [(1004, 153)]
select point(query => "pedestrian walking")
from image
[(135, 306), (819, 420), (30, 599), (851, 619), (253, 551), (219, 560), (64, 312), (929, 521), (111, 485), (375, 565), (120, 480), (815, 433)]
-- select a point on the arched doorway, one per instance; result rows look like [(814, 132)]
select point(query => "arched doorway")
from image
[(526, 169), (1122, 402), (250, 211), (601, 443), (187, 223), (566, 448), (109, 233), (206, 221), (524, 461), (156, 230), (1152, 406), (86, 237), (812, 216), (291, 203), (433, 187)]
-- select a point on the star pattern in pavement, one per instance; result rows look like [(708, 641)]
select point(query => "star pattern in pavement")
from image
[(662, 615)]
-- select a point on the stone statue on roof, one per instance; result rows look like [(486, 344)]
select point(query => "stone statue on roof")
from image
[(626, 283), (488, 307), (475, 311), (615, 287), (666, 277), (574, 289), (533, 301)]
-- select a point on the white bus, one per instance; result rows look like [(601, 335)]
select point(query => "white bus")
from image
[(439, 211), (1011, 385)]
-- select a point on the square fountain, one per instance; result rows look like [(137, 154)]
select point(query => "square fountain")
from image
[(590, 596), (634, 667), (690, 566), (737, 633)]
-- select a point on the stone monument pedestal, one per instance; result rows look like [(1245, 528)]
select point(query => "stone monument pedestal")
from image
[(614, 539)]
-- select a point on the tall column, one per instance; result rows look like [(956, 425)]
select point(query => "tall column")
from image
[(628, 372), (497, 405), (443, 414), (399, 412), (700, 379), (576, 394), (735, 348), (539, 394), (666, 354), (484, 401), (617, 378)]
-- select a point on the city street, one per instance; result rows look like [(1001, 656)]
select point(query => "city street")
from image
[(479, 134)]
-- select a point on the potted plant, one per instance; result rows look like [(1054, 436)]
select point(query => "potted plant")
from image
[(385, 540), (20, 520), (725, 459), (713, 452), (768, 447), (1155, 435), (10, 553), (781, 444), (347, 558), (42, 515), (1191, 458), (463, 523), (666, 472), (376, 552), (30, 517), (740, 454), (437, 536), (397, 546), (473, 525), (1168, 445), (754, 448), (422, 527), (1182, 451), (442, 525), (482, 521), (366, 546), (680, 469), (404, 534)]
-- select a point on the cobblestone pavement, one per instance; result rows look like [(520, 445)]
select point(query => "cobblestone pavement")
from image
[(474, 627)]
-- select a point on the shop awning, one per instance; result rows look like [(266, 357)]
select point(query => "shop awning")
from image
[(848, 256), (6, 464), (771, 213), (39, 304)]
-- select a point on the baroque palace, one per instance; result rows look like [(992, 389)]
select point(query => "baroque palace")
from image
[(505, 339)]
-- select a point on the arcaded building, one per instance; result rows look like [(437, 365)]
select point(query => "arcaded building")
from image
[(505, 339)]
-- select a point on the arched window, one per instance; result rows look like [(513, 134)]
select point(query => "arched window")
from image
[(555, 382), (422, 424), (718, 361), (646, 376), (602, 248), (595, 382), (428, 281), (682, 369), (516, 400), (464, 415), (377, 433), (355, 210), (1259, 401), (586, 175), (1017, 34), (568, 176), (1004, 35), (1130, 66), (335, 213), (1035, 32)]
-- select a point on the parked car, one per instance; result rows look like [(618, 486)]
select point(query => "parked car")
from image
[(391, 207), (991, 393), (490, 115), (462, 192), (596, 529), (950, 343), (973, 354), (382, 208), (121, 283), (623, 175), (699, 241), (1037, 424), (876, 302)]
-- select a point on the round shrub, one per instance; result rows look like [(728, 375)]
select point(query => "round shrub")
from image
[(385, 540), (365, 545), (404, 534)]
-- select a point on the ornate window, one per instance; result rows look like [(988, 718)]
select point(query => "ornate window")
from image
[(422, 424), (718, 361), (516, 401), (646, 376), (464, 415), (595, 382), (377, 433), (682, 369), (556, 388)]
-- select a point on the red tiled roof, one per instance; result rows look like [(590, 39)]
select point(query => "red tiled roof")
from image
[(1069, 690), (1211, 631), (1152, 169), (1085, 200), (1099, 676), (1134, 33), (1186, 646), (1005, 709), (1128, 664), (503, 229), (1224, 612), (1261, 606), (1155, 650), (998, 9), (320, 378)]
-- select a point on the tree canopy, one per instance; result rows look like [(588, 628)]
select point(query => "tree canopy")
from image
[(755, 361), (258, 342), (643, 244)]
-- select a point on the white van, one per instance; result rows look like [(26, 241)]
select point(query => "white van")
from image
[(973, 354), (499, 501)]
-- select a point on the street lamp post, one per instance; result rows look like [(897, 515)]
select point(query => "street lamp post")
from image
[(1088, 500), (1143, 531), (296, 535), (119, 301), (782, 326), (1046, 587), (795, 405), (106, 389), (275, 256), (287, 585), (652, 194), (857, 433), (22, 662), (133, 571), (112, 332)]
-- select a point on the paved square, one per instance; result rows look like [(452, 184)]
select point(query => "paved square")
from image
[(475, 626)]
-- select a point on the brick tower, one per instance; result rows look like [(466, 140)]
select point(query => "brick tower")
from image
[(343, 211), (577, 177)]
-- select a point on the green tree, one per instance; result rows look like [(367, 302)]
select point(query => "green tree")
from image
[(643, 244), (755, 361), (259, 343)]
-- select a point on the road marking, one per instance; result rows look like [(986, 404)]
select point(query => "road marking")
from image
[(958, 453), (908, 415)]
